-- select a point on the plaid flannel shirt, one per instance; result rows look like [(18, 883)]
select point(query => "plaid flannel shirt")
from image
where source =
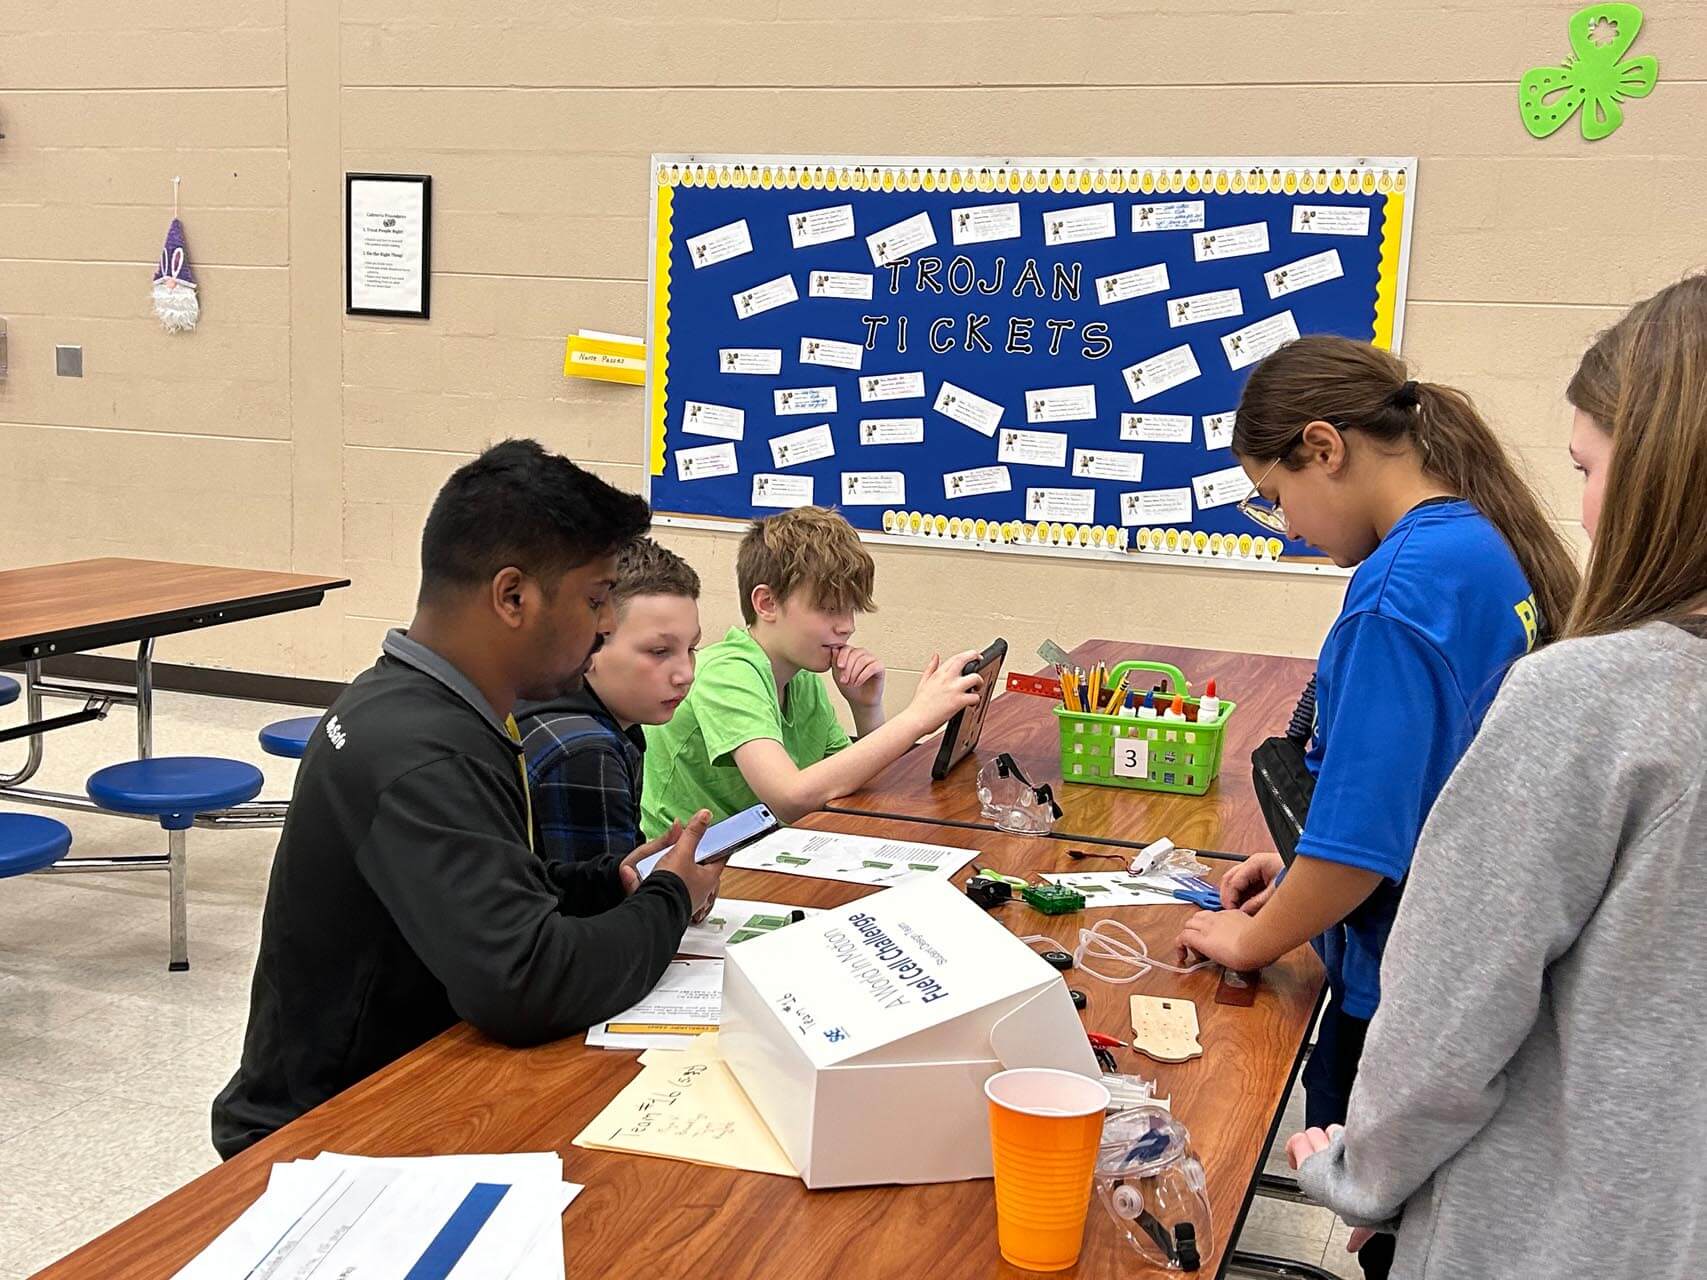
[(585, 775)]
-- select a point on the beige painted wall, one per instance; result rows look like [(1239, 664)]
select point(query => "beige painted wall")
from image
[(282, 433)]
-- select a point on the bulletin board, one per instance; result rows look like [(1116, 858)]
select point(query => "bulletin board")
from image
[(1020, 355)]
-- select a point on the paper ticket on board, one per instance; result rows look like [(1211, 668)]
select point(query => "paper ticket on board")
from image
[(1330, 220), (720, 244), (1253, 342), (766, 297), (1108, 464), (892, 431), (821, 226), (1132, 284), (1068, 506), (1221, 488), (1218, 429), (1032, 448), (1230, 242), (1316, 269), (1156, 506), (839, 284), (705, 462), (1204, 306), (803, 446), (873, 488), (1156, 428), (978, 224), (967, 409), (782, 492), (722, 421), (1061, 404), (906, 237), (1070, 226), (892, 386), (979, 480), (1173, 215), (749, 359), (792, 400), (1160, 372), (839, 355)]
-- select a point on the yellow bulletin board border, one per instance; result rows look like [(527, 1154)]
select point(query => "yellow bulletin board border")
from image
[(1394, 176)]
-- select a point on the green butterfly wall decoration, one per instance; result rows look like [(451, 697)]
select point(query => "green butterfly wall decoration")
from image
[(1595, 79)]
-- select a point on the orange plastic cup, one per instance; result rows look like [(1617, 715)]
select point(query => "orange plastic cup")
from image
[(1044, 1129)]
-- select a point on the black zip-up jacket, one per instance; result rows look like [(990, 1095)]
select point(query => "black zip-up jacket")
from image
[(404, 896)]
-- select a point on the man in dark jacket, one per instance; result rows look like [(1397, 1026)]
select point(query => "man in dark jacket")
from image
[(405, 893)]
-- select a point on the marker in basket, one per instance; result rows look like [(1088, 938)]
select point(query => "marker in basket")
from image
[(1208, 706)]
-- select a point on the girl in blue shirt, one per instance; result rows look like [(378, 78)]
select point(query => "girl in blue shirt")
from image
[(1459, 573)]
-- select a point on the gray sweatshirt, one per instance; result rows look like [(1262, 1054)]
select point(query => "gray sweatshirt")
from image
[(1533, 1092)]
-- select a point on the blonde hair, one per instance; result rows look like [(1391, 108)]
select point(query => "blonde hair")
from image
[(809, 547), (1361, 388), (1645, 382)]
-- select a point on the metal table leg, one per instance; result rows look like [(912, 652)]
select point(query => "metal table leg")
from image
[(1260, 1264), (32, 713)]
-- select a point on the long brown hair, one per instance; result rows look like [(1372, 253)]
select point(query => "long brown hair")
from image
[(1645, 381), (1363, 389)]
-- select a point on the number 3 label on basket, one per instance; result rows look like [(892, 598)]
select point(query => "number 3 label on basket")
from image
[(1132, 758)]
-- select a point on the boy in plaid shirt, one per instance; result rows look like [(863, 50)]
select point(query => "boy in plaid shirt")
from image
[(585, 751)]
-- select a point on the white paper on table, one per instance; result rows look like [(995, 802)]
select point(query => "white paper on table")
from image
[(734, 920), (687, 1001), (1115, 888), (831, 855)]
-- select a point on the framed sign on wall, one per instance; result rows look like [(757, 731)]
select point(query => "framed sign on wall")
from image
[(388, 244)]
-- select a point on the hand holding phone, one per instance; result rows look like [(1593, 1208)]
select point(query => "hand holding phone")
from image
[(721, 839)]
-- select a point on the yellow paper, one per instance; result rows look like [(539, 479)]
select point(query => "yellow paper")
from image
[(688, 1107), (604, 358)]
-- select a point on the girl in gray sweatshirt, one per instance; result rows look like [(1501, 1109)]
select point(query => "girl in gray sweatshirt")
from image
[(1532, 1099)]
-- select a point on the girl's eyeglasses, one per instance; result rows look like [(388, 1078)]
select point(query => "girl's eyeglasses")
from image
[(1259, 510)]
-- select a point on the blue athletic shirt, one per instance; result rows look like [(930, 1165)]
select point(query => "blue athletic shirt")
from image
[(1430, 624)]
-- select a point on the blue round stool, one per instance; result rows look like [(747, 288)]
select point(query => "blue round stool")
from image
[(173, 790), (8, 690), (289, 738), (29, 843)]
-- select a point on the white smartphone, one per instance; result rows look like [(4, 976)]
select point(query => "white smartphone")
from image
[(723, 838)]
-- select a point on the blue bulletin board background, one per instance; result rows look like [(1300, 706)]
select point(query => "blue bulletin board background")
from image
[(694, 316)]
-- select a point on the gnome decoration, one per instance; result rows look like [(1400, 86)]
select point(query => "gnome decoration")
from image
[(175, 300)]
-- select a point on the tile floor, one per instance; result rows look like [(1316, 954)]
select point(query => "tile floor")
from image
[(108, 1062)]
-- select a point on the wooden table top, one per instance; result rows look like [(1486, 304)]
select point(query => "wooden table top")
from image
[(51, 609), (647, 1217), (1225, 819)]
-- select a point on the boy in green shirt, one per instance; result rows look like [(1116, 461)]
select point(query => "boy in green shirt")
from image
[(758, 725)]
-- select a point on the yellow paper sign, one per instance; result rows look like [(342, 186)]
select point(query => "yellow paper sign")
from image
[(605, 357)]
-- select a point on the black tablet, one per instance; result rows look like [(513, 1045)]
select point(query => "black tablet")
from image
[(961, 736)]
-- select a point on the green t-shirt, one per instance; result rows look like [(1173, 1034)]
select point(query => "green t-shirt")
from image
[(690, 762)]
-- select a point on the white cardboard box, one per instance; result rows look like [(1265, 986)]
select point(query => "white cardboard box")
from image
[(864, 1035)]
